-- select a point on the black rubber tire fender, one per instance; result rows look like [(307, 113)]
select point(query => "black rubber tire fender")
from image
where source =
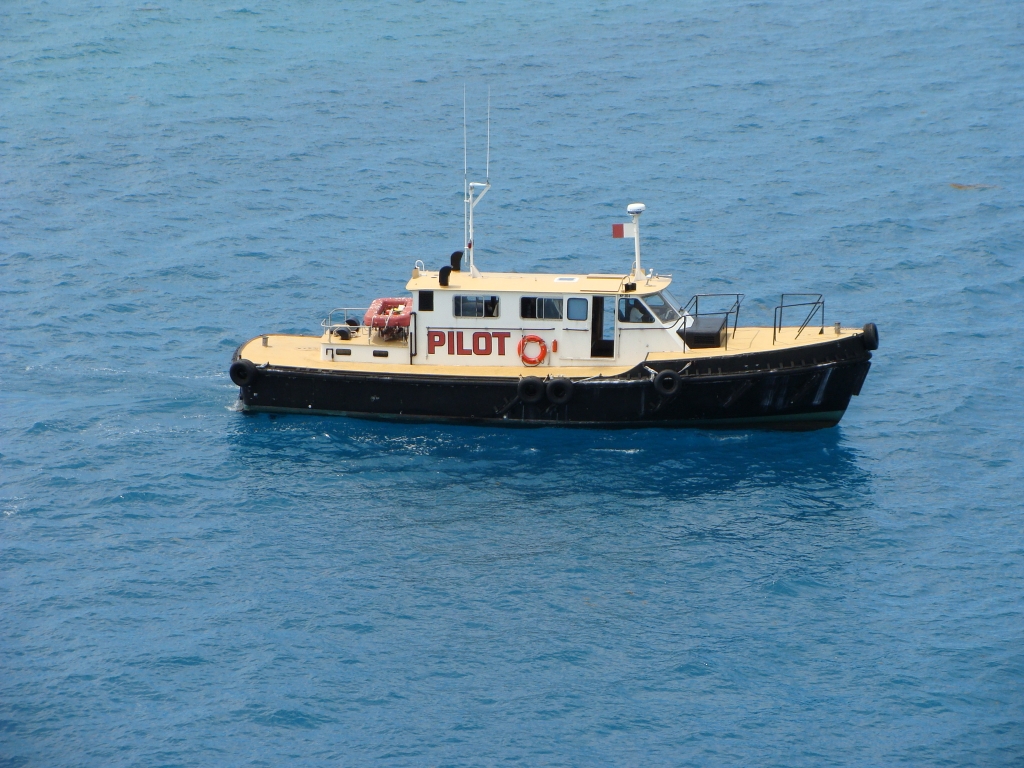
[(242, 373), (559, 391), (667, 383), (870, 337), (530, 389), (344, 333)]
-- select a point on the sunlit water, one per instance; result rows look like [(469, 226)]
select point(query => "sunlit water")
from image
[(182, 584)]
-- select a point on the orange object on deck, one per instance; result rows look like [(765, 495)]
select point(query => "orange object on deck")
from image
[(389, 313)]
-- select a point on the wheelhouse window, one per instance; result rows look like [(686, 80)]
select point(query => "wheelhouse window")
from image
[(535, 308), (576, 309), (663, 307), (475, 306), (633, 311)]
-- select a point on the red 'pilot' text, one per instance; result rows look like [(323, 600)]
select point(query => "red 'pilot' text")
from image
[(482, 343)]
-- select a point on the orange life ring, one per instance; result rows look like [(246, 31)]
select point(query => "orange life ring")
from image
[(536, 340)]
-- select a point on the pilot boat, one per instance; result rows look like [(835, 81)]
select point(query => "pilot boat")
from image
[(593, 350)]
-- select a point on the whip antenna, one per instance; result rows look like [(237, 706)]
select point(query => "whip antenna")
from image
[(465, 174), (475, 190)]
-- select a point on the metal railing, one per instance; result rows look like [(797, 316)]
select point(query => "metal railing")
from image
[(818, 304), (348, 313), (734, 309), (352, 318), (329, 325)]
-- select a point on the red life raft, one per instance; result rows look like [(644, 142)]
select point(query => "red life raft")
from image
[(389, 313)]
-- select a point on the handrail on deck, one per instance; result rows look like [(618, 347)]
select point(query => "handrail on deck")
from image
[(818, 304), (329, 325)]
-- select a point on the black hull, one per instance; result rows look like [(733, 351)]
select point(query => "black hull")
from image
[(801, 388)]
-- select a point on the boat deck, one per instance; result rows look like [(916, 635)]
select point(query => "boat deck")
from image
[(292, 351)]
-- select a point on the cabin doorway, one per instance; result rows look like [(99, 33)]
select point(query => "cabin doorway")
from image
[(602, 328)]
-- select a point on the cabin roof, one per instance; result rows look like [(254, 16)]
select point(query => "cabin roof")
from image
[(532, 282)]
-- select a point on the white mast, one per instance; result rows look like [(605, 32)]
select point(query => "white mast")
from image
[(634, 210), (471, 197), (465, 173)]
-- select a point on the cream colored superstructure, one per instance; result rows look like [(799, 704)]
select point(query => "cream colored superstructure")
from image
[(567, 340)]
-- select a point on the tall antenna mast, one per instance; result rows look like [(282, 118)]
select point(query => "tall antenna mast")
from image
[(465, 173), (471, 197)]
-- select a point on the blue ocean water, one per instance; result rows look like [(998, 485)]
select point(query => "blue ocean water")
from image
[(182, 584)]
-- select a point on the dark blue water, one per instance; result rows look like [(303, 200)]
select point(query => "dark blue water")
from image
[(181, 584)]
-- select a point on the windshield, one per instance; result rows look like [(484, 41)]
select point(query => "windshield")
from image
[(662, 306), (671, 299)]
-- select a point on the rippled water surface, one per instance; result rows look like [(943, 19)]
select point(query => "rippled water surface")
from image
[(182, 584)]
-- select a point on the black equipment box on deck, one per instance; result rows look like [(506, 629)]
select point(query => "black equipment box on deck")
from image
[(706, 331)]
